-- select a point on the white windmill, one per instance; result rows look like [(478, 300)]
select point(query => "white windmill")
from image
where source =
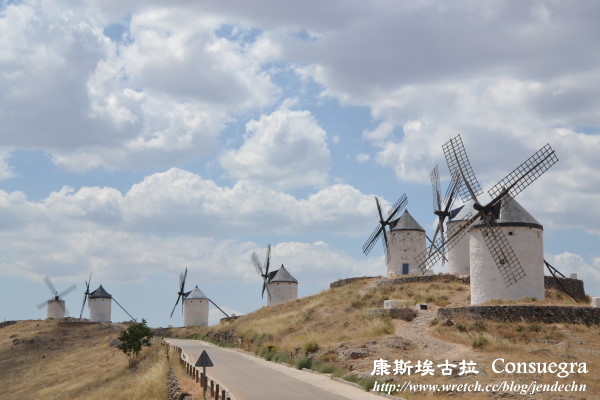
[(194, 304), (56, 305), (100, 303), (505, 241), (280, 285)]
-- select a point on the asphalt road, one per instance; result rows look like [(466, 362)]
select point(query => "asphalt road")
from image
[(252, 378)]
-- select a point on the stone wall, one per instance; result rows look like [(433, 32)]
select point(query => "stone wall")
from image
[(574, 286), (517, 313), (407, 314), (347, 281), (422, 278), (175, 392)]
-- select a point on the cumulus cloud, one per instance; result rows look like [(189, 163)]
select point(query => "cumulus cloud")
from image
[(161, 95), (167, 220), (589, 272), (286, 149)]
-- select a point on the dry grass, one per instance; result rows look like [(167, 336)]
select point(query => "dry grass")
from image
[(54, 360)]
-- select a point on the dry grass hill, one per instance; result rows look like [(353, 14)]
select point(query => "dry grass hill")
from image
[(331, 332), (74, 360)]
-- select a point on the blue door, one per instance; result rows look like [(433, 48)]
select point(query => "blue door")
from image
[(405, 269)]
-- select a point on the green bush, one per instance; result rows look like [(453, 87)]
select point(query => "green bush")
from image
[(479, 341), (134, 338), (304, 362), (310, 346)]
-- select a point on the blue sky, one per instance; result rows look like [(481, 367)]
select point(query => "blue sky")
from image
[(140, 139)]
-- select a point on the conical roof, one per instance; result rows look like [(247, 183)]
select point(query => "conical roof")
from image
[(406, 222), (196, 294), (283, 275), (511, 213), (461, 213), (100, 293)]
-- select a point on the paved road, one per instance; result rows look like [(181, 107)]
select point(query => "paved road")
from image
[(252, 378)]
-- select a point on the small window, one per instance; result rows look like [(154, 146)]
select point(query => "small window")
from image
[(511, 233)]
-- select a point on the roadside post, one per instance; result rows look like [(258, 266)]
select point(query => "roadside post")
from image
[(204, 361)]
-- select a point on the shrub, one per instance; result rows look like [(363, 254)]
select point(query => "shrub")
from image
[(479, 341), (304, 362), (134, 338), (310, 346)]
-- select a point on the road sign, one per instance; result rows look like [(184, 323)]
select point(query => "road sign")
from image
[(204, 360)]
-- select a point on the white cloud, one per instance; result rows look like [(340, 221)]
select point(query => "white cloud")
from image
[(161, 96), (168, 220), (286, 149), (569, 263)]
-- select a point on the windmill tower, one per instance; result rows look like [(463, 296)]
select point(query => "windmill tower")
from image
[(380, 231), (525, 236), (100, 302), (194, 304), (498, 249), (280, 285), (100, 305), (459, 255), (55, 305), (406, 240), (195, 308)]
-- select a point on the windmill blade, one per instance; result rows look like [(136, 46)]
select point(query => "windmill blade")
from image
[(264, 287), (175, 306), (115, 300), (505, 258), (438, 249), (427, 258), (268, 260), (398, 205), (386, 248), (372, 240), (526, 173), (218, 308), (50, 286), (182, 278), (457, 160), (65, 309), (451, 191), (67, 291), (257, 264), (82, 305), (44, 304), (86, 294), (435, 186)]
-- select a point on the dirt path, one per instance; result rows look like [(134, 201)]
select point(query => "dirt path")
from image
[(417, 332)]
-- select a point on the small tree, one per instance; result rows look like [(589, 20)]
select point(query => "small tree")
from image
[(134, 338)]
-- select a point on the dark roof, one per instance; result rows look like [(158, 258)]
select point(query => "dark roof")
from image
[(100, 293), (460, 213), (510, 213), (282, 275), (196, 294), (406, 222)]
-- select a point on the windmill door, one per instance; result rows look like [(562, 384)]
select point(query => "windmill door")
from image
[(405, 269)]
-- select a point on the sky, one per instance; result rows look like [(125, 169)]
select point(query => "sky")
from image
[(138, 139)]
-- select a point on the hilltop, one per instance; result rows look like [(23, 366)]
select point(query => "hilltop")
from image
[(332, 332), (72, 359)]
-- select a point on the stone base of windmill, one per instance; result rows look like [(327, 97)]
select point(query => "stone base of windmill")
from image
[(395, 309), (595, 302)]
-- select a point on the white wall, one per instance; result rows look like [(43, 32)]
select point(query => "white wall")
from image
[(486, 281), (280, 292), (56, 309), (458, 254), (100, 310), (404, 246), (195, 312)]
